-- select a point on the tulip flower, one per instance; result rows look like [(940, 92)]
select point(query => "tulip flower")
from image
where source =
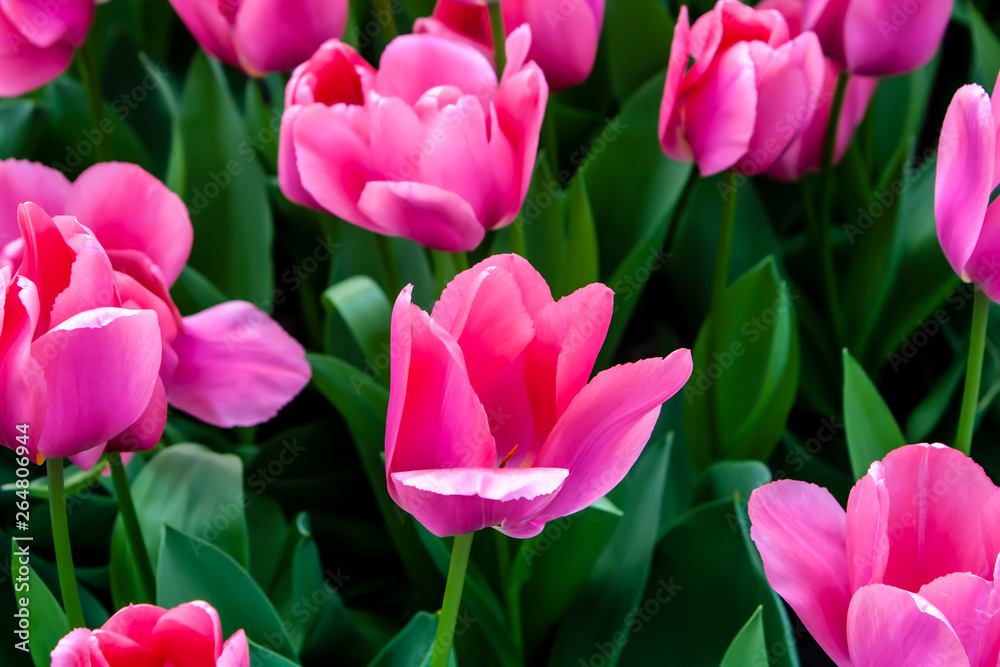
[(564, 32), (428, 147), (37, 40), (492, 420), (905, 577), (189, 634), (749, 93), (263, 35), (805, 153), (94, 346), (878, 37)]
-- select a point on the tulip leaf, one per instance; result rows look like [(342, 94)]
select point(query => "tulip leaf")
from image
[(265, 521), (176, 176), (45, 620), (226, 191), (748, 647), (638, 47), (872, 432), (192, 569), (580, 257), (77, 481), (985, 48), (367, 312), (413, 646), (20, 126), (262, 657), (930, 411), (543, 220), (728, 478), (262, 125)]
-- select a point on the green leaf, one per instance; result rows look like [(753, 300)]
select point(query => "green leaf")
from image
[(985, 49), (262, 657), (47, 622), (725, 479), (20, 127), (188, 488), (748, 647), (192, 569), (606, 505), (872, 432), (226, 190), (76, 482), (638, 46), (176, 178), (262, 125), (265, 521), (300, 591), (753, 377), (580, 257), (365, 309), (193, 292), (413, 646)]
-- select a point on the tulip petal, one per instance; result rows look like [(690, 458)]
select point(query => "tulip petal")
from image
[(457, 501), (48, 259), (22, 383), (209, 27), (867, 529), (78, 649), (145, 433), (966, 157), (22, 181), (288, 168), (564, 43), (983, 267), (334, 74), (188, 635), (606, 427), (235, 652), (826, 19), (24, 66), (972, 607), (671, 127), (46, 23), (124, 637), (991, 525), (881, 39), (890, 627), (236, 366), (799, 530), (100, 368), (92, 279), (272, 36)]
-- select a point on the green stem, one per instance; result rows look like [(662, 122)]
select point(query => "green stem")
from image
[(452, 598), (132, 530), (726, 225), (60, 537), (974, 372), (550, 141), (499, 35), (385, 253), (517, 242), (826, 204), (461, 261), (90, 77), (514, 615), (390, 29)]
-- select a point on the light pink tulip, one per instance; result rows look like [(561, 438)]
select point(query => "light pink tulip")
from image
[(492, 420), (748, 94), (37, 40), (968, 224), (878, 37), (805, 153), (564, 32), (428, 147), (148, 636), (905, 577), (109, 269), (263, 35)]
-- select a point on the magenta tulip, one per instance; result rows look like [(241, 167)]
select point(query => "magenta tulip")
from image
[(905, 577), (108, 270), (749, 93), (564, 32), (878, 37), (37, 40), (967, 172), (190, 634), (263, 35), (492, 420), (428, 147), (805, 153)]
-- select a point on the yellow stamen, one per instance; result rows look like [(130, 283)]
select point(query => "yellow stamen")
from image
[(508, 457)]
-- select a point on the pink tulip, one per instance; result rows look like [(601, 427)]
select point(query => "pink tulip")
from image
[(967, 172), (189, 634), (878, 37), (492, 420), (110, 268), (564, 32), (263, 35), (750, 92), (37, 40), (905, 577), (805, 153), (428, 147)]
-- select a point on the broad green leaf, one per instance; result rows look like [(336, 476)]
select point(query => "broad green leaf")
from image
[(363, 306), (543, 218), (413, 646), (580, 257), (300, 591), (606, 505), (725, 479), (226, 191), (638, 34), (45, 619), (20, 127), (192, 569), (748, 647), (872, 432), (265, 522), (985, 49), (262, 657), (262, 125), (193, 292), (176, 178)]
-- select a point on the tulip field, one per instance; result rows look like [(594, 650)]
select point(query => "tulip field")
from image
[(501, 333)]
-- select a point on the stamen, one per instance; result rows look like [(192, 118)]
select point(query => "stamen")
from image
[(508, 457)]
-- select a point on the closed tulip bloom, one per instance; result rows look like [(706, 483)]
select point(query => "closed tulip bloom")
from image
[(878, 37), (37, 41), (230, 365), (492, 420), (190, 634), (906, 576), (564, 33), (747, 96), (263, 35), (968, 224), (428, 147)]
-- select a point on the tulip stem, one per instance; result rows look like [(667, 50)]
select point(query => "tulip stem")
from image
[(90, 77), (132, 530), (499, 35), (518, 245), (974, 372), (388, 257), (550, 140), (390, 29), (60, 537), (822, 234), (452, 598)]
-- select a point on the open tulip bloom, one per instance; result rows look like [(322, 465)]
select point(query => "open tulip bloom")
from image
[(37, 41)]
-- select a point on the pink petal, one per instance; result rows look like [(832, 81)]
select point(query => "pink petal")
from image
[(991, 525), (413, 64), (671, 126), (127, 208), (88, 458), (22, 181), (141, 287), (334, 74), (124, 638), (790, 9), (889, 627), (983, 267), (92, 279), (236, 366), (145, 433), (397, 141), (885, 39), (868, 529), (209, 27), (188, 635), (799, 530), (44, 24), (48, 259), (235, 652), (272, 36), (288, 168), (826, 19), (24, 66), (564, 43), (535, 292), (457, 501), (606, 427), (22, 383), (972, 607), (728, 23), (78, 649), (100, 368)]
